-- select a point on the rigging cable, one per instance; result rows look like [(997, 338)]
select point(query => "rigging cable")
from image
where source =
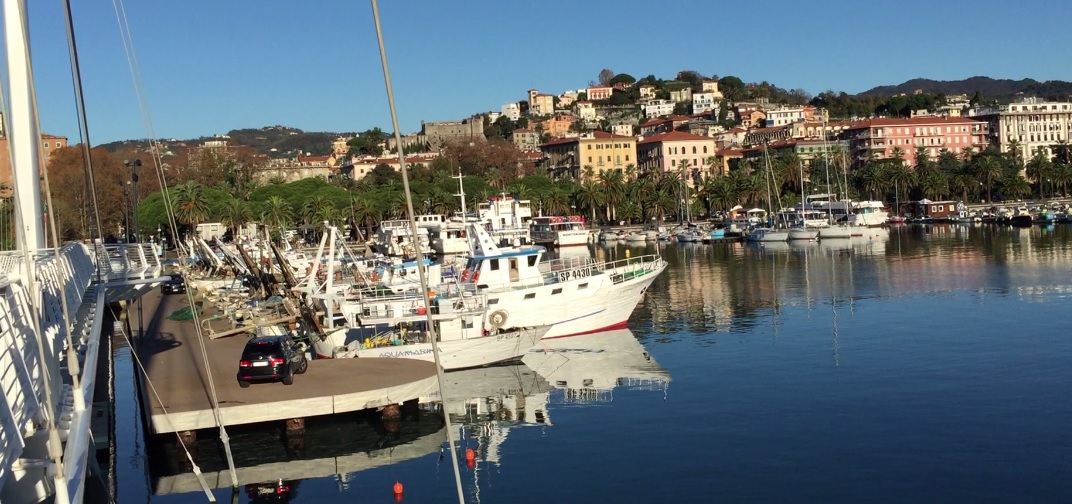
[(167, 416), (139, 89), (432, 332), (83, 137)]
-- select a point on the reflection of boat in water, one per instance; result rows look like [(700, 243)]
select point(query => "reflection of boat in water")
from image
[(587, 368), (330, 446), (835, 244), (514, 393)]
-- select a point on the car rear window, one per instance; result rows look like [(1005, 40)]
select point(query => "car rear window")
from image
[(261, 348)]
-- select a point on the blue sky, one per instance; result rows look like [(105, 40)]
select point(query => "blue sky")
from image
[(213, 66)]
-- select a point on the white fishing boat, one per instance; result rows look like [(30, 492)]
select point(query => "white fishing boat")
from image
[(574, 295), (391, 325), (506, 219), (559, 231), (395, 238)]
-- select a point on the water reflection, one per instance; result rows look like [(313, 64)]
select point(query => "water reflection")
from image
[(587, 369), (714, 288), (267, 457)]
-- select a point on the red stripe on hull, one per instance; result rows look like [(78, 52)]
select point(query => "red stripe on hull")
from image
[(319, 356), (620, 325)]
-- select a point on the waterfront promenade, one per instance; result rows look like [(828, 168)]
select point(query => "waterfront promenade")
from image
[(176, 369)]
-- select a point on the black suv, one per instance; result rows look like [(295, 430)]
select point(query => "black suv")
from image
[(175, 285), (271, 358)]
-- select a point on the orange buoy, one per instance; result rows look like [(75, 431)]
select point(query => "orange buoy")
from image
[(398, 488), (469, 454)]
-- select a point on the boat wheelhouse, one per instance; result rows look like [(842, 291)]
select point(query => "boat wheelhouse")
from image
[(395, 238), (506, 219)]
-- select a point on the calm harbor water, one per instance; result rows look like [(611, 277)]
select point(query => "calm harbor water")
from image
[(921, 364)]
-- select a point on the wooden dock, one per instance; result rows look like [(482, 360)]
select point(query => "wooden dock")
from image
[(173, 361)]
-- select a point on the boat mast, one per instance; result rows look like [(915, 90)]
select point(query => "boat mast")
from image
[(461, 194)]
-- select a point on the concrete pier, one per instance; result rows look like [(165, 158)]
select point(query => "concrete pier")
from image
[(173, 361)]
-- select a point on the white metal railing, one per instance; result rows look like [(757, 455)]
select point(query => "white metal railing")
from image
[(58, 278)]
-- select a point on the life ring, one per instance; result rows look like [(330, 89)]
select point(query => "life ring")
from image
[(476, 276), (498, 319), (465, 275)]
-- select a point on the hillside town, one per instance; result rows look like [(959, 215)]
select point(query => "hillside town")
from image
[(602, 146)]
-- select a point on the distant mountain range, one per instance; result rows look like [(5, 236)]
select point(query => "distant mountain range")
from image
[(990, 88)]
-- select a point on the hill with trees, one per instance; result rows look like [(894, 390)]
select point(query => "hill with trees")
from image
[(999, 89)]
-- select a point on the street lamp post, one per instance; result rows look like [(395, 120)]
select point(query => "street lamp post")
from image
[(134, 165), (126, 213)]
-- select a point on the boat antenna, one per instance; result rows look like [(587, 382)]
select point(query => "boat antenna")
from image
[(413, 228)]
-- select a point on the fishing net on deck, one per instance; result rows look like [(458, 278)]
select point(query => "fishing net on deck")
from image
[(182, 314)]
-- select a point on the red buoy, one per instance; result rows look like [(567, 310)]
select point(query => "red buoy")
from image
[(469, 454), (398, 488)]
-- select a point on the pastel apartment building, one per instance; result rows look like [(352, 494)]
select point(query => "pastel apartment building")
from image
[(49, 144), (511, 111), (658, 108), (788, 115), (704, 102), (525, 140), (1034, 124), (683, 95), (711, 86), (647, 92), (676, 152), (568, 157), (558, 126), (600, 92), (541, 104), (881, 137), (585, 110)]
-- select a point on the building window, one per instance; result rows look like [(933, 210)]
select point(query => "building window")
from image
[(627, 157), (589, 159), (46, 145)]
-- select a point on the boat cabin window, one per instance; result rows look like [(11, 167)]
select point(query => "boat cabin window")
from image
[(530, 296), (493, 301), (532, 261), (556, 291), (494, 264), (582, 286)]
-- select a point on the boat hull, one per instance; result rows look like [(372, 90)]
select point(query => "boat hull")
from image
[(580, 306), (835, 232), (481, 351), (803, 234)]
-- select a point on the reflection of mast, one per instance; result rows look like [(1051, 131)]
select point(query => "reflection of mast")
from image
[(833, 304)]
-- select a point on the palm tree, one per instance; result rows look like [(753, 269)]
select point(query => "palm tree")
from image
[(1039, 169), (989, 168), (557, 202), (362, 212), (614, 191), (191, 206), (661, 203), (313, 207), (902, 177), (628, 211), (236, 213), (277, 214), (1016, 188), (589, 195)]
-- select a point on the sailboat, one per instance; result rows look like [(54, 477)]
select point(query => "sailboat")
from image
[(897, 218), (833, 230), (802, 232), (690, 234), (767, 234)]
